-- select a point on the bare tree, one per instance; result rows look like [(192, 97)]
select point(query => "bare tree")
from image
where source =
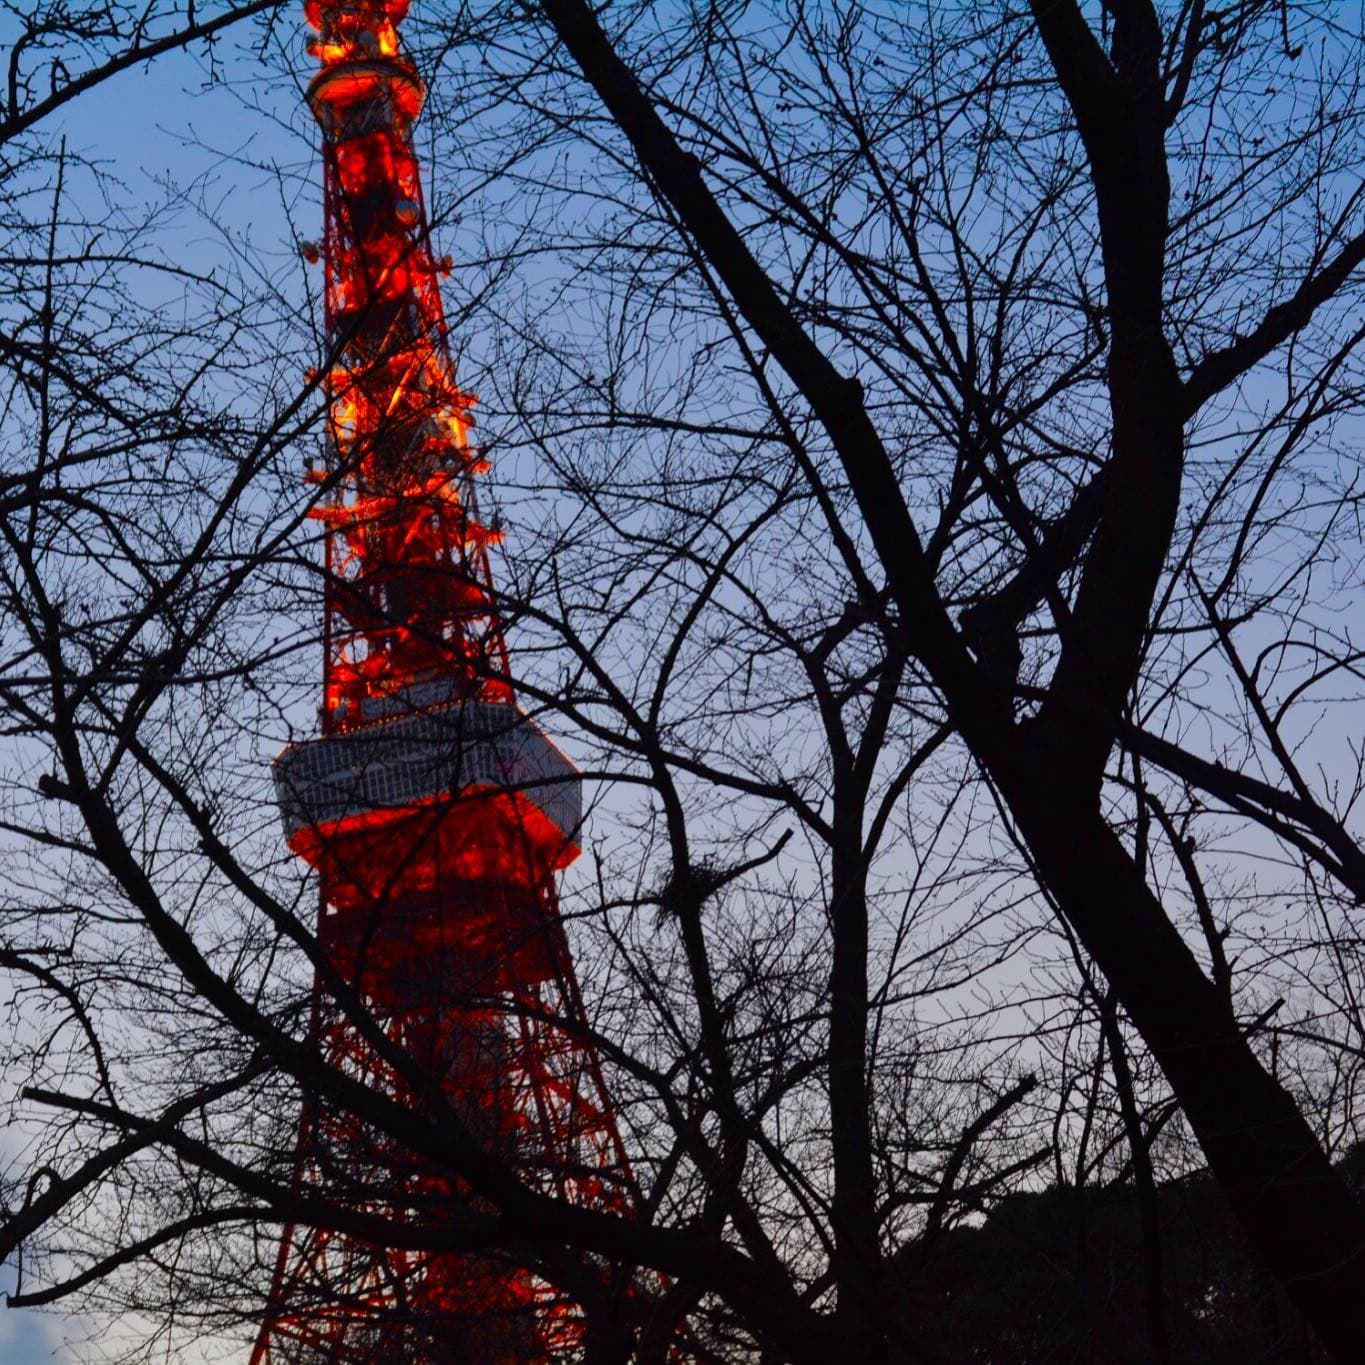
[(925, 441), (1121, 110)]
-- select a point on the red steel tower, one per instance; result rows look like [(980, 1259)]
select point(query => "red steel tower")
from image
[(434, 811)]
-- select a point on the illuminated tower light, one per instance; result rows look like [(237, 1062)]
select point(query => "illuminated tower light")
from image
[(432, 809)]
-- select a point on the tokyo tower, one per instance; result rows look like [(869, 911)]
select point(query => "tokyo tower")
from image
[(433, 811)]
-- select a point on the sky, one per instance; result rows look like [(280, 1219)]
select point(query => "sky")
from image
[(28, 1337), (138, 125)]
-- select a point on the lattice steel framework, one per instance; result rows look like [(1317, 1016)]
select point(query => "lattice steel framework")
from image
[(434, 811)]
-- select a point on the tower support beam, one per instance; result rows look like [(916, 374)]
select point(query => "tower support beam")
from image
[(434, 812)]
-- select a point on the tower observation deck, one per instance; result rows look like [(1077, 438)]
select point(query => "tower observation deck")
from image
[(433, 810)]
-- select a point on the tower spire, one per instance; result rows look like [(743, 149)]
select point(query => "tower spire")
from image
[(433, 810)]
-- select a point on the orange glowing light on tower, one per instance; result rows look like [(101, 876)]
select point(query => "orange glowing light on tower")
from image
[(434, 812)]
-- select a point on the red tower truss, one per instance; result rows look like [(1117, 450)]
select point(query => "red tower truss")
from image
[(434, 811)]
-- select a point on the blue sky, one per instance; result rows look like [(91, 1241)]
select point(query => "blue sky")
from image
[(137, 125), (28, 1337)]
